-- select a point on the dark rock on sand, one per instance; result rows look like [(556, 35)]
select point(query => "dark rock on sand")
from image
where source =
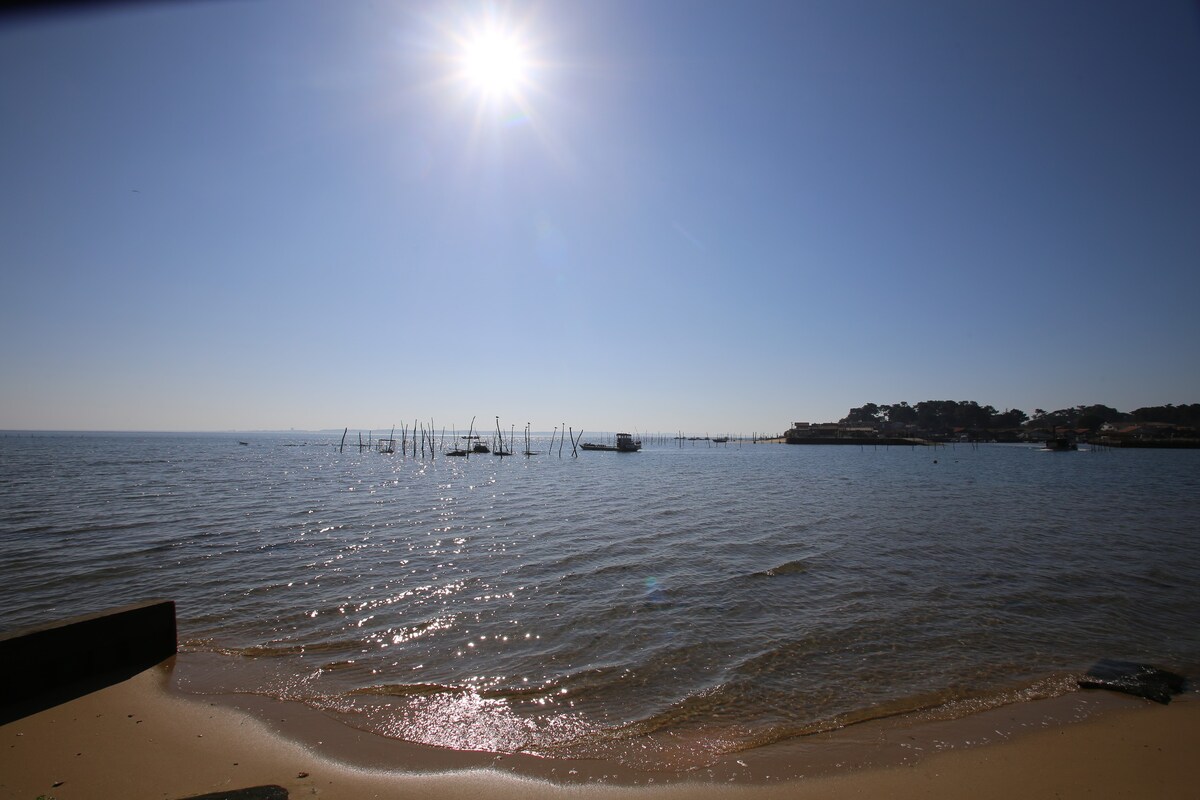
[(1130, 677)]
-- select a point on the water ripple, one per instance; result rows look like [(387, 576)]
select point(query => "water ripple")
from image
[(657, 608)]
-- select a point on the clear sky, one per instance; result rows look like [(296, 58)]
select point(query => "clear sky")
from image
[(707, 216)]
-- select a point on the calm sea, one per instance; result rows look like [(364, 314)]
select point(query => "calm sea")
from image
[(658, 607)]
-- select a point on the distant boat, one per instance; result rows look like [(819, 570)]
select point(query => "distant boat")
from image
[(1061, 444), (245, 443), (458, 451), (625, 444)]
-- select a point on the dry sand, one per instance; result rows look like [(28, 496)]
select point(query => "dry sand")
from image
[(136, 739)]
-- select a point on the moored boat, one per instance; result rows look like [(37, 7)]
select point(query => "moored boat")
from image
[(625, 444)]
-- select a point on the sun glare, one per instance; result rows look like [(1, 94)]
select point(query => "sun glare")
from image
[(497, 67), (495, 64)]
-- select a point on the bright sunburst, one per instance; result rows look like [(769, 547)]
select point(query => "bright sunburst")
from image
[(495, 63)]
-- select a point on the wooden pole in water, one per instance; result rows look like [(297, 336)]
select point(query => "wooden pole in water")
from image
[(342, 446), (560, 441)]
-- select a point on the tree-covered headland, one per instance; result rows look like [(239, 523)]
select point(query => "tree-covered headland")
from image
[(945, 418)]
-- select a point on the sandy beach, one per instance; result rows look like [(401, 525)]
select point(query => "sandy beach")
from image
[(138, 739)]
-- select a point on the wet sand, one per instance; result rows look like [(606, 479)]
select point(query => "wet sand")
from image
[(138, 739)]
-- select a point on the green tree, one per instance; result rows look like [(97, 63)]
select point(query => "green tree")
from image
[(1188, 415), (867, 414), (901, 413), (1011, 418)]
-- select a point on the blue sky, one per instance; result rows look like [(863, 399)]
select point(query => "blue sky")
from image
[(689, 215)]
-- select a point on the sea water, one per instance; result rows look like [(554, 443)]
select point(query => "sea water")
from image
[(657, 608)]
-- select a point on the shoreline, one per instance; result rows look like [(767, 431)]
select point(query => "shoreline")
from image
[(140, 738), (878, 736)]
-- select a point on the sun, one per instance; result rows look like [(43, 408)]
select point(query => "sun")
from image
[(498, 67), (495, 64)]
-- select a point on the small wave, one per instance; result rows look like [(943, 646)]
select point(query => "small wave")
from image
[(796, 567), (409, 690), (690, 720), (269, 651)]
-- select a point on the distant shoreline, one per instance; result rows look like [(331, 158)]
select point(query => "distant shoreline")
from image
[(849, 440)]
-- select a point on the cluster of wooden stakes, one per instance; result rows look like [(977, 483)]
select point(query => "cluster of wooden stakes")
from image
[(420, 439)]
